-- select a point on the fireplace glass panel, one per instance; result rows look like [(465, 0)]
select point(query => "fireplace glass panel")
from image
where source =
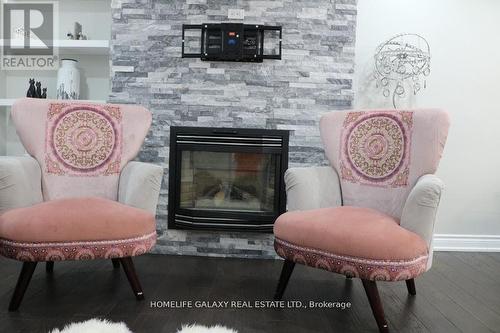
[(230, 181)]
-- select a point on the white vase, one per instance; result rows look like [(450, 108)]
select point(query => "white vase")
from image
[(68, 80)]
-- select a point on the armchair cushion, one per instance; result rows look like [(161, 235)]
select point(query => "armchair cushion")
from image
[(419, 212), (81, 147), (79, 228), (20, 182), (312, 187), (140, 185), (361, 242), (380, 154)]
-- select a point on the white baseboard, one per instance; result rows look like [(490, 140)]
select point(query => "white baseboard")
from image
[(468, 243)]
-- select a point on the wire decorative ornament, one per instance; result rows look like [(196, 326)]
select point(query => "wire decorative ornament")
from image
[(402, 61)]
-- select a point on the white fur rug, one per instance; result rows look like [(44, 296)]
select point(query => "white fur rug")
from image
[(94, 326), (104, 326), (204, 329)]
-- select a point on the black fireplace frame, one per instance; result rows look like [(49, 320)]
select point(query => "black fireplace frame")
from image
[(223, 140)]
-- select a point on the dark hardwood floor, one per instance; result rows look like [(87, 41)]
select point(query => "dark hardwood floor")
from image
[(461, 293)]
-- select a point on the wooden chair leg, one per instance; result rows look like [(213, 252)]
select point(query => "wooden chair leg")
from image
[(410, 285), (22, 284), (49, 266), (286, 272), (116, 263), (376, 305), (128, 267)]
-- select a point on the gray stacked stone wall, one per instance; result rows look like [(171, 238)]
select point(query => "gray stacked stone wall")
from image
[(315, 76)]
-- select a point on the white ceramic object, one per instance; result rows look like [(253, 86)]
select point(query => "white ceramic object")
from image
[(68, 80)]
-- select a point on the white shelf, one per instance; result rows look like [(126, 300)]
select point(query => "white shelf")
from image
[(80, 47), (6, 101), (10, 101)]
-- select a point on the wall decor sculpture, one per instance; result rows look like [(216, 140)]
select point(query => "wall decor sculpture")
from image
[(35, 90), (401, 63)]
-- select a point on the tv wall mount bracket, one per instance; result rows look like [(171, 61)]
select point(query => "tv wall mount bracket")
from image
[(233, 42)]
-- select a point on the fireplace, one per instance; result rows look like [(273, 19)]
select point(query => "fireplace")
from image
[(226, 179)]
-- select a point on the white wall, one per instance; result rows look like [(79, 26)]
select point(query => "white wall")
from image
[(93, 15), (465, 80)]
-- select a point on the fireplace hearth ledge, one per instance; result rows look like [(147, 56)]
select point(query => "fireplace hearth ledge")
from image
[(216, 244)]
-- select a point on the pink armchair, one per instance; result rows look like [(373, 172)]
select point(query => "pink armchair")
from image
[(78, 196), (371, 214)]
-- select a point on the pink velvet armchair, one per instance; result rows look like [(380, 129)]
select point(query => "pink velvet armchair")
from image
[(369, 215), (78, 196)]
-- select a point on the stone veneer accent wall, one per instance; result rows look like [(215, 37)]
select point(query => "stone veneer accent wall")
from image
[(315, 76)]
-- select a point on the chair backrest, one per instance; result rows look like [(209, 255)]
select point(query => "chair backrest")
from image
[(81, 147), (380, 154)]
